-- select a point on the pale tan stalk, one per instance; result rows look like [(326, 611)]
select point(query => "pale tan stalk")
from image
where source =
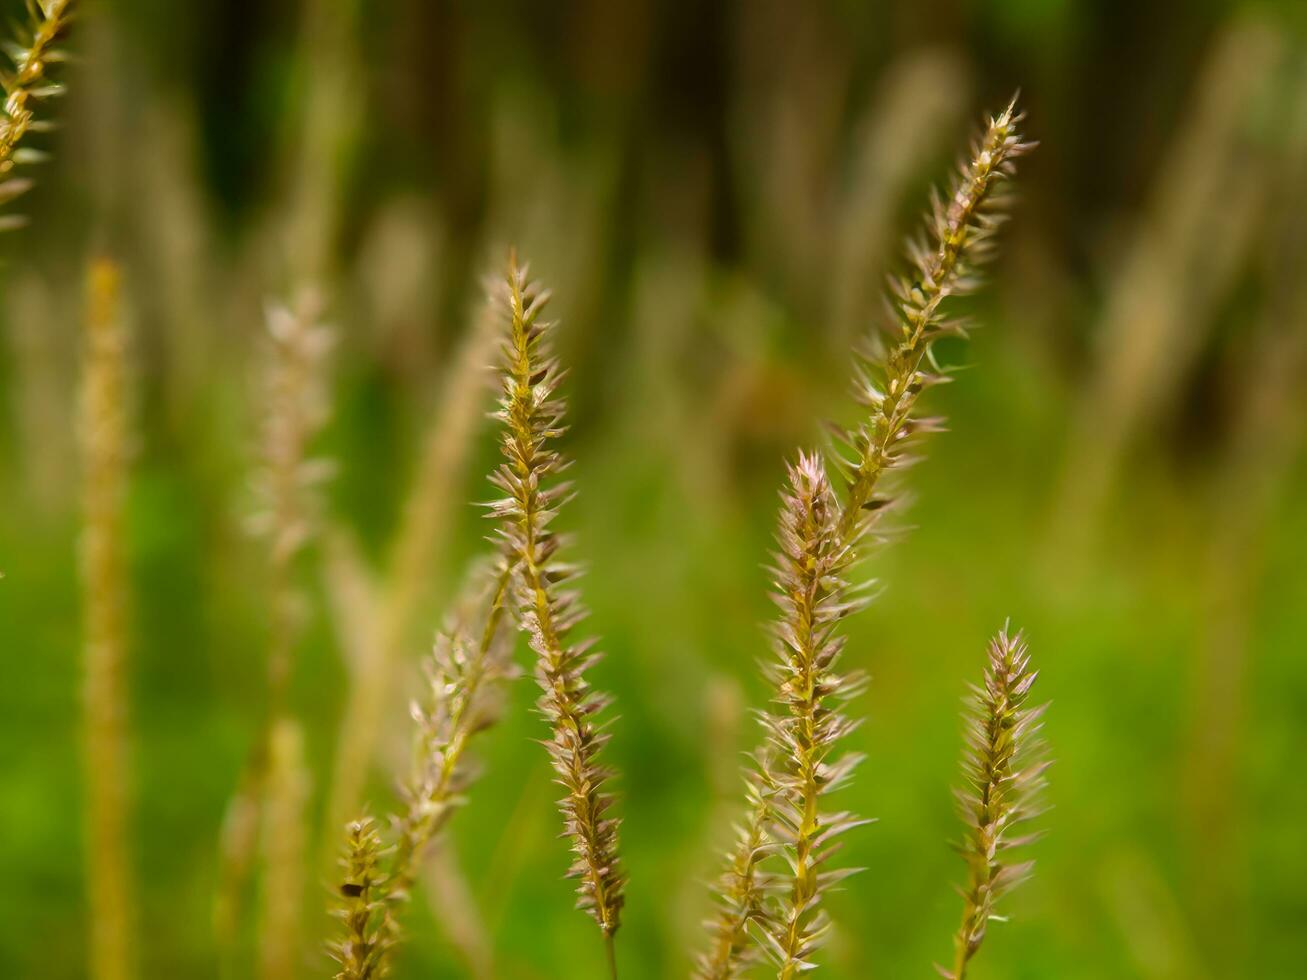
[(1179, 266), (104, 430), (466, 681), (284, 827), (944, 263), (287, 516)]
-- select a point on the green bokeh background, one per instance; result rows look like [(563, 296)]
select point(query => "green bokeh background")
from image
[(683, 175)]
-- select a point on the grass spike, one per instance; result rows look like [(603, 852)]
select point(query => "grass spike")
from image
[(531, 416), (363, 907), (1003, 776), (25, 85), (958, 239)]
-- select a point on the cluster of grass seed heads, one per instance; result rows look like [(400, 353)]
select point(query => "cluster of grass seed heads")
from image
[(467, 672), (822, 534), (549, 609)]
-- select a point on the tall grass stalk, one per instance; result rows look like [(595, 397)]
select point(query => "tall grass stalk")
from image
[(549, 609), (812, 592), (287, 516), (822, 535), (284, 844), (105, 439)]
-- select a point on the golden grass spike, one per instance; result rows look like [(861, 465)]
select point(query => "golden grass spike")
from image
[(104, 434), (1003, 777), (364, 910), (812, 592), (27, 84), (532, 418), (958, 239)]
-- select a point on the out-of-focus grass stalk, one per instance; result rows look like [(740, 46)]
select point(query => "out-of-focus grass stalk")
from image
[(919, 102), (284, 829), (41, 375), (1183, 258), (415, 556), (295, 408), (104, 431), (320, 151), (1247, 488)]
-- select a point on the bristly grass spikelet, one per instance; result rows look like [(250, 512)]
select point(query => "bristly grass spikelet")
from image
[(364, 908), (26, 84), (1003, 776), (744, 885), (532, 418), (822, 536), (104, 432), (958, 239), (466, 674), (812, 593)]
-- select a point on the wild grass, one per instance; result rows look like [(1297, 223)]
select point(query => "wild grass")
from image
[(821, 536), (772, 894), (531, 414), (466, 674)]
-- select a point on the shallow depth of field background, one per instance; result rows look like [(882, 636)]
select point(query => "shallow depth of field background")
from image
[(715, 192)]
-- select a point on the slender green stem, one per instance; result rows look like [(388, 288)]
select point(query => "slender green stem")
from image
[(611, 949)]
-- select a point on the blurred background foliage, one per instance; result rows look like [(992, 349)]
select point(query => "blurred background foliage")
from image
[(715, 191)]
